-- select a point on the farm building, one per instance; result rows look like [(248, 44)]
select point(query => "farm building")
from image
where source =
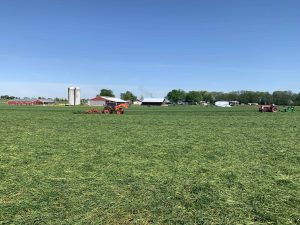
[(30, 102), (102, 100), (47, 101), (155, 101), (137, 102)]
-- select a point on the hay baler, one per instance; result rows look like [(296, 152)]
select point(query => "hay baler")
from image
[(288, 109)]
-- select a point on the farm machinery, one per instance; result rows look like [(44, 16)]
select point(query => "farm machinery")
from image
[(110, 108), (114, 108), (288, 109), (268, 108), (274, 108)]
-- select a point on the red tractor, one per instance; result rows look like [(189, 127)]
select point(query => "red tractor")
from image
[(268, 108)]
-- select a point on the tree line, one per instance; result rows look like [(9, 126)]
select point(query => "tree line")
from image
[(7, 97), (177, 96), (127, 96), (244, 97)]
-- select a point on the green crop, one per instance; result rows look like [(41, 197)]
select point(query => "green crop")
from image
[(153, 165)]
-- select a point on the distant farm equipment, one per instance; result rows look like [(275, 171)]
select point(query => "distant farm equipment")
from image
[(268, 108), (110, 108), (93, 111), (288, 109)]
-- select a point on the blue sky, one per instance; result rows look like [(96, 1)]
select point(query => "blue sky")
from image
[(148, 46)]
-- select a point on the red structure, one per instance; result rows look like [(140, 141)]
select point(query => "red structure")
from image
[(25, 102), (103, 100)]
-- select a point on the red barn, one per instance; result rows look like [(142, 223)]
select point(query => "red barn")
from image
[(29, 102)]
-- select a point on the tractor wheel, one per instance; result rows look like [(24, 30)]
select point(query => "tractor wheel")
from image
[(120, 112), (274, 109), (106, 111)]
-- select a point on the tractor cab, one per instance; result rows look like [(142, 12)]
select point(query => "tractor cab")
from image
[(113, 107), (111, 104)]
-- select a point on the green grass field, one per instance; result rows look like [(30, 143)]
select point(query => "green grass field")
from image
[(153, 165)]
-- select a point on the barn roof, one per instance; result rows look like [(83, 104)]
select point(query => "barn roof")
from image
[(47, 100), (98, 98), (154, 100), (25, 100), (32, 100), (115, 99), (111, 99)]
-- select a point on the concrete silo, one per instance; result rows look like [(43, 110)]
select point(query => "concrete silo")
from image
[(77, 96), (71, 95)]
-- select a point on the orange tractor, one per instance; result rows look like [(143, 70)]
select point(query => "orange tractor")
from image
[(115, 108), (110, 108)]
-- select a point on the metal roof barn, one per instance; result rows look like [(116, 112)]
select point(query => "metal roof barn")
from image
[(154, 101)]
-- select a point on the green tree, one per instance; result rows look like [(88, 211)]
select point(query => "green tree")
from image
[(194, 96), (128, 96), (106, 92), (265, 98), (297, 99), (232, 96), (7, 97), (283, 97), (175, 96), (207, 97), (252, 97)]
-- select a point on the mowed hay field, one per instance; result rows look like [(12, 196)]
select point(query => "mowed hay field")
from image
[(153, 165)]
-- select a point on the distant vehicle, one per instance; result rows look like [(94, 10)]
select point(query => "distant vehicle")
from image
[(234, 103), (222, 104)]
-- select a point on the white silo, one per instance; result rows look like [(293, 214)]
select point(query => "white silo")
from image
[(71, 95), (77, 96)]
